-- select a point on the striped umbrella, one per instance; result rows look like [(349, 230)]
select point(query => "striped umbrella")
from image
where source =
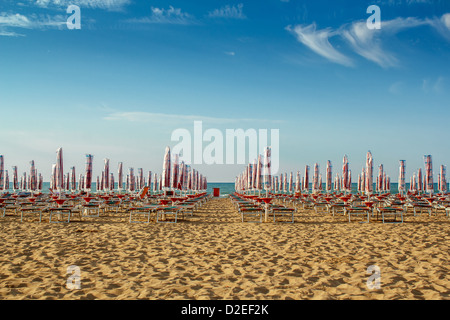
[(87, 185), (419, 180), (306, 179), (80, 182), (15, 179), (24, 183), (349, 181), (53, 178), (33, 178), (345, 174), (442, 179), (2, 168), (328, 177), (73, 179), (297, 183), (250, 176), (337, 183), (315, 186), (254, 173), (369, 174), (111, 181), (120, 176), (384, 182), (258, 181), (291, 182), (6, 185), (132, 183), (359, 183), (267, 170), (155, 183), (166, 170), (285, 183), (127, 184), (380, 179), (59, 170), (106, 175), (140, 179), (175, 172), (401, 177), (41, 181), (429, 174)]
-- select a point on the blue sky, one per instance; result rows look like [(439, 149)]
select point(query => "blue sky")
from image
[(137, 70)]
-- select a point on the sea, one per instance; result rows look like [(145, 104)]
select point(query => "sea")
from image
[(227, 188)]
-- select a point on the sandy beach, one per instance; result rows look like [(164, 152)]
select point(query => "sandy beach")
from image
[(213, 255)]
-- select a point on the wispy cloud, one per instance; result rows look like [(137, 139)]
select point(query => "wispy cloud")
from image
[(368, 43), (14, 21), (230, 53), (139, 116), (436, 86), (109, 5), (228, 12), (166, 16), (317, 41)]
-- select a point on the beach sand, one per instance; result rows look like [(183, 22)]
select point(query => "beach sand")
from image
[(213, 255)]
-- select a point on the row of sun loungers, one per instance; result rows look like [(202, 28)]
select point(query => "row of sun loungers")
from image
[(389, 207), (137, 206), (248, 207)]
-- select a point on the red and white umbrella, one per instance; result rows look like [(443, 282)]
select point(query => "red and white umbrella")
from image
[(298, 187), (306, 179), (401, 177), (443, 179), (369, 174), (88, 173), (59, 170), (166, 170), (419, 180), (111, 181), (132, 184), (315, 186), (380, 179), (291, 181), (2, 167), (106, 175), (429, 174), (120, 176), (267, 170), (345, 186), (73, 179), (328, 177), (258, 181)]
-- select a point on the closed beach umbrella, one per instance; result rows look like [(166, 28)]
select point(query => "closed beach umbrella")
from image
[(175, 172), (442, 179), (120, 176), (59, 170), (258, 174), (15, 179), (328, 177), (401, 177), (297, 182), (345, 173), (291, 181), (2, 167), (306, 179), (166, 169), (429, 174), (106, 175), (369, 174), (155, 183), (88, 173), (419, 180), (315, 185), (6, 186), (267, 170), (73, 179)]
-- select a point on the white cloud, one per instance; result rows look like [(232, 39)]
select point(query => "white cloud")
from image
[(436, 86), (367, 42), (110, 5), (233, 12), (166, 16), (8, 21), (317, 41), (139, 116), (230, 53), (364, 41)]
